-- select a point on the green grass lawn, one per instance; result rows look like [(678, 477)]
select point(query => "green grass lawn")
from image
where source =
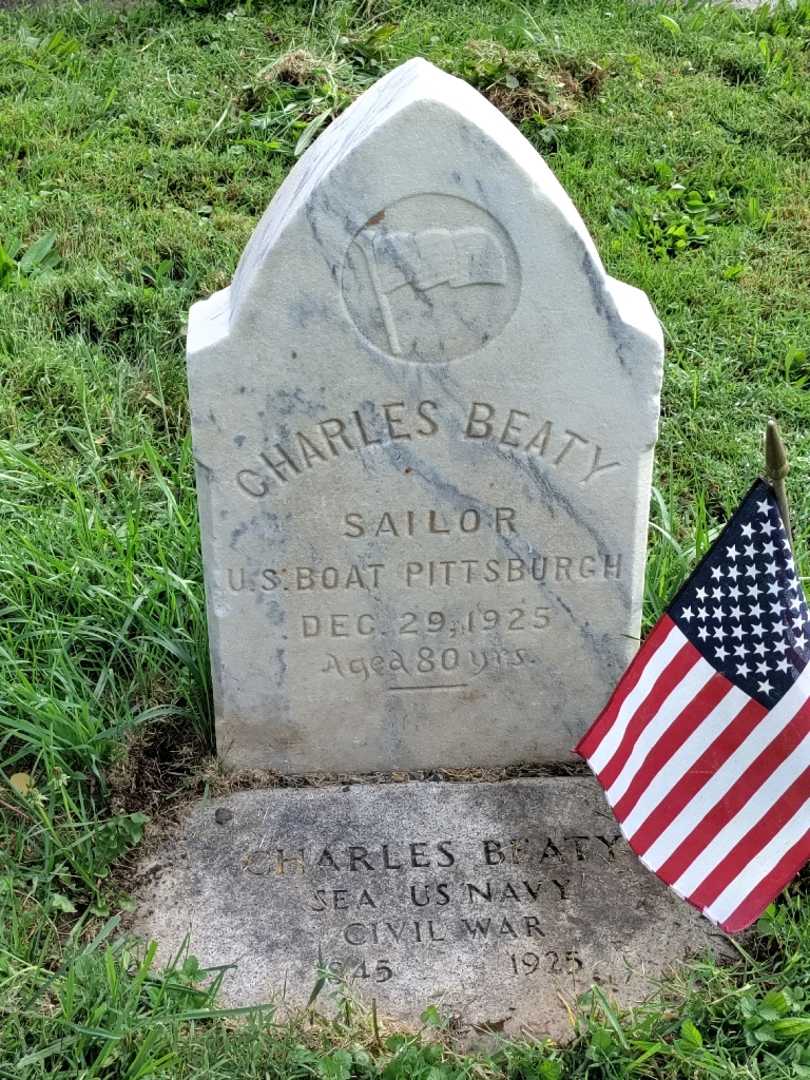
[(139, 145)]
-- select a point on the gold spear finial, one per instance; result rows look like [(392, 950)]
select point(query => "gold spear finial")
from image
[(776, 469)]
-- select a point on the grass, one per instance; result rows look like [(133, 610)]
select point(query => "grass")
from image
[(139, 145)]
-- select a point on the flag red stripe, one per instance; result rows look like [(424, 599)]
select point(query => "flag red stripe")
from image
[(680, 666), (673, 738), (754, 841), (706, 765), (590, 741), (770, 886), (737, 796)]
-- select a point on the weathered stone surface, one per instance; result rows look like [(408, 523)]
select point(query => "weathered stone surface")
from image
[(497, 902), (424, 420)]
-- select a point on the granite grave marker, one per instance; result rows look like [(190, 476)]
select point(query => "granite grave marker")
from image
[(423, 421), (499, 903)]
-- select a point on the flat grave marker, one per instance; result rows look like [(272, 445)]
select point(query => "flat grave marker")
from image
[(498, 903)]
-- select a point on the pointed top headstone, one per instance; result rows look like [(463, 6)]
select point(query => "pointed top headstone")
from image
[(424, 420)]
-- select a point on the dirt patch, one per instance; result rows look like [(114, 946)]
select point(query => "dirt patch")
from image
[(157, 767), (158, 772), (218, 781)]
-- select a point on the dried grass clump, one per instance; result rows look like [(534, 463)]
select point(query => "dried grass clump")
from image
[(296, 68), (523, 86), (521, 103)]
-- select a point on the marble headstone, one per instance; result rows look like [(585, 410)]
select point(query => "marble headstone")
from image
[(423, 421)]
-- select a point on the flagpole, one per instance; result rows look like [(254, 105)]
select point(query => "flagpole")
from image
[(366, 244), (776, 469)]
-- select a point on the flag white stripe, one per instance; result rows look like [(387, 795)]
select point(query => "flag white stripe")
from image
[(759, 867), (715, 788), (674, 704), (657, 663), (746, 817), (676, 767)]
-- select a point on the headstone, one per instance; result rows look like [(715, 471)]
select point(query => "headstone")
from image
[(498, 903), (423, 419)]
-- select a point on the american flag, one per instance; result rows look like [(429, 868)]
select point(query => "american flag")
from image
[(704, 748)]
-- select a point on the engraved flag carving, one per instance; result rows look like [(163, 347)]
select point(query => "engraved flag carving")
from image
[(425, 259), (704, 748)]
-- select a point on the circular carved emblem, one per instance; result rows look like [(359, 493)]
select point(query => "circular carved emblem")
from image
[(430, 278)]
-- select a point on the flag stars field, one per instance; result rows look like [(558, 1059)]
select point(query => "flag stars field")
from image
[(757, 629)]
